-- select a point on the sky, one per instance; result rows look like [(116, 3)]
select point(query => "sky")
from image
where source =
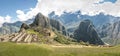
[(22, 10), (112, 1)]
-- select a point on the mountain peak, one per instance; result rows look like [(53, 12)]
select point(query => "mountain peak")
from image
[(87, 21), (39, 14), (41, 20), (87, 33)]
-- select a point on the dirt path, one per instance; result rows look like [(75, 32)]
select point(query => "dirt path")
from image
[(70, 46)]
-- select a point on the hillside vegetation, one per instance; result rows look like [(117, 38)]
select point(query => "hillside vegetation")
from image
[(12, 49)]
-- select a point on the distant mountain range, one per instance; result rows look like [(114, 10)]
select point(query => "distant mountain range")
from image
[(106, 26), (9, 28), (72, 17), (110, 32)]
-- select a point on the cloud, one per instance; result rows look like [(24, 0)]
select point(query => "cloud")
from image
[(86, 6), (22, 16), (1, 20), (111, 8), (5, 19), (47, 6)]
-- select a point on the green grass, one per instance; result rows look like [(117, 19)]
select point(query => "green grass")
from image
[(87, 52), (12, 49), (30, 31)]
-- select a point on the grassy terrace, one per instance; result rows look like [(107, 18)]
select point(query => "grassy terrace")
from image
[(12, 49)]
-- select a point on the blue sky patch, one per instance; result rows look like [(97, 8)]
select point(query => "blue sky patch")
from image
[(9, 7), (112, 1)]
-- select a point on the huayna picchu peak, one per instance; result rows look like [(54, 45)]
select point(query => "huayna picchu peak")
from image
[(87, 33)]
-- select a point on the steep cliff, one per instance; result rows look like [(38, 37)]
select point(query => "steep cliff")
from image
[(87, 33)]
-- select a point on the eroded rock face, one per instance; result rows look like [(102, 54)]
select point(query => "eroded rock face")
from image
[(112, 33), (41, 21), (113, 30), (57, 25), (87, 33)]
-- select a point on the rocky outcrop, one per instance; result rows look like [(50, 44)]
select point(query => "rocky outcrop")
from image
[(40, 21), (87, 33), (24, 27), (40, 25), (43, 23), (58, 26)]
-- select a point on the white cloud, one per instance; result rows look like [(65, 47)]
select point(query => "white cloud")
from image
[(86, 6), (22, 16), (25, 16), (5, 19), (89, 7), (1, 20), (46, 6)]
